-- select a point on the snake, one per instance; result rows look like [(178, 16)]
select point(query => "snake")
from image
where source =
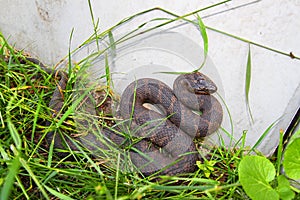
[(165, 144)]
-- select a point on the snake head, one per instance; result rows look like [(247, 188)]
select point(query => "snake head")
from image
[(200, 84)]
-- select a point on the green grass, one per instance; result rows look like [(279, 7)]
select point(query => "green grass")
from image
[(31, 169)]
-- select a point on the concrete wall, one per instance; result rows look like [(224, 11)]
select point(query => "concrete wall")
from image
[(43, 28)]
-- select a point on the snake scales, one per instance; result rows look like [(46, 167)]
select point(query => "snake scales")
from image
[(167, 137)]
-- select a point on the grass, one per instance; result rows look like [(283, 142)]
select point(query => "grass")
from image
[(31, 169)]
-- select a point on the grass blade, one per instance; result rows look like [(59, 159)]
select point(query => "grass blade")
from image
[(10, 178), (112, 43), (202, 29), (263, 136), (32, 175), (107, 73), (248, 83), (117, 176), (95, 25), (12, 129), (182, 187), (57, 194), (69, 54), (22, 187), (279, 152), (14, 134), (35, 120), (289, 54)]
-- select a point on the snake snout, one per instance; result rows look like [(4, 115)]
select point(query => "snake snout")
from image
[(200, 84), (204, 86), (206, 89)]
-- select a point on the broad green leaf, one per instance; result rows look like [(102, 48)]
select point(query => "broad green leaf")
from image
[(255, 173), (291, 162), (284, 188), (294, 136)]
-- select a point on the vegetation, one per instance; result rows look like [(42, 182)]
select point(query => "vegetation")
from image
[(31, 169)]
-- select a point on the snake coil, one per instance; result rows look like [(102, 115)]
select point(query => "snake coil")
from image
[(166, 145)]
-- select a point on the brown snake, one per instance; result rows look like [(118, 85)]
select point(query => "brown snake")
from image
[(167, 137)]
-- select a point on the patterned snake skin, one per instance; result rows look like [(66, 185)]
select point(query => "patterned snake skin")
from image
[(166, 146)]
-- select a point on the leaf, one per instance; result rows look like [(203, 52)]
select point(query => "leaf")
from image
[(294, 136), (284, 188), (291, 162), (255, 173), (207, 167)]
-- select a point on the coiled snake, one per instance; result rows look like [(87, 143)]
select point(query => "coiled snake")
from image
[(167, 145)]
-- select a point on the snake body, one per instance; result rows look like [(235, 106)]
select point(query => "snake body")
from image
[(166, 145), (175, 135)]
